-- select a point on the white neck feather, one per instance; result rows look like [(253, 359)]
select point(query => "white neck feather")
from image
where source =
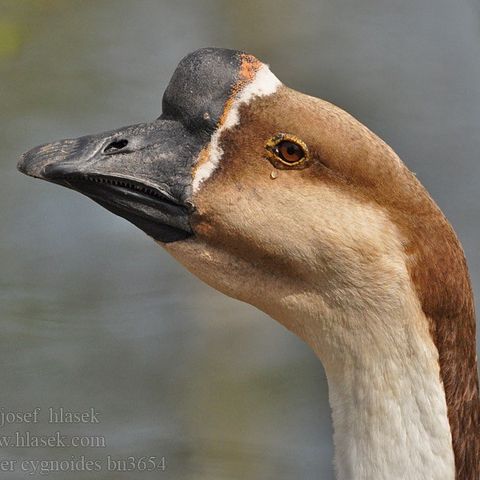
[(388, 402), (390, 418)]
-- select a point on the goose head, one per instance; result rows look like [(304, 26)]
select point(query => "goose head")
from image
[(263, 192), (285, 201)]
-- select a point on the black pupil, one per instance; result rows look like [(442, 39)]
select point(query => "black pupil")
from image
[(292, 148)]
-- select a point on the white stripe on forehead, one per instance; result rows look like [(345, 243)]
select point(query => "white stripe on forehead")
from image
[(265, 83)]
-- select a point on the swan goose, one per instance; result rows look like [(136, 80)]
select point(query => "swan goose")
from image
[(288, 203)]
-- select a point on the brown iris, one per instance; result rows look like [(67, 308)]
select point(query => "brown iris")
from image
[(287, 151), (290, 152)]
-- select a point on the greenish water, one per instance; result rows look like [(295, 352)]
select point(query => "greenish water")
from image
[(94, 314)]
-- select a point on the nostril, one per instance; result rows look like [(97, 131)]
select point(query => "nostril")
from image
[(115, 146)]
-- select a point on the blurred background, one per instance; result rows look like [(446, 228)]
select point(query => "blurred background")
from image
[(94, 314)]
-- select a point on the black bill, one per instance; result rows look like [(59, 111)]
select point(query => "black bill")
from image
[(144, 172)]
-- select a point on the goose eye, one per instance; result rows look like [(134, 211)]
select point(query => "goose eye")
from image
[(290, 152), (285, 150)]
